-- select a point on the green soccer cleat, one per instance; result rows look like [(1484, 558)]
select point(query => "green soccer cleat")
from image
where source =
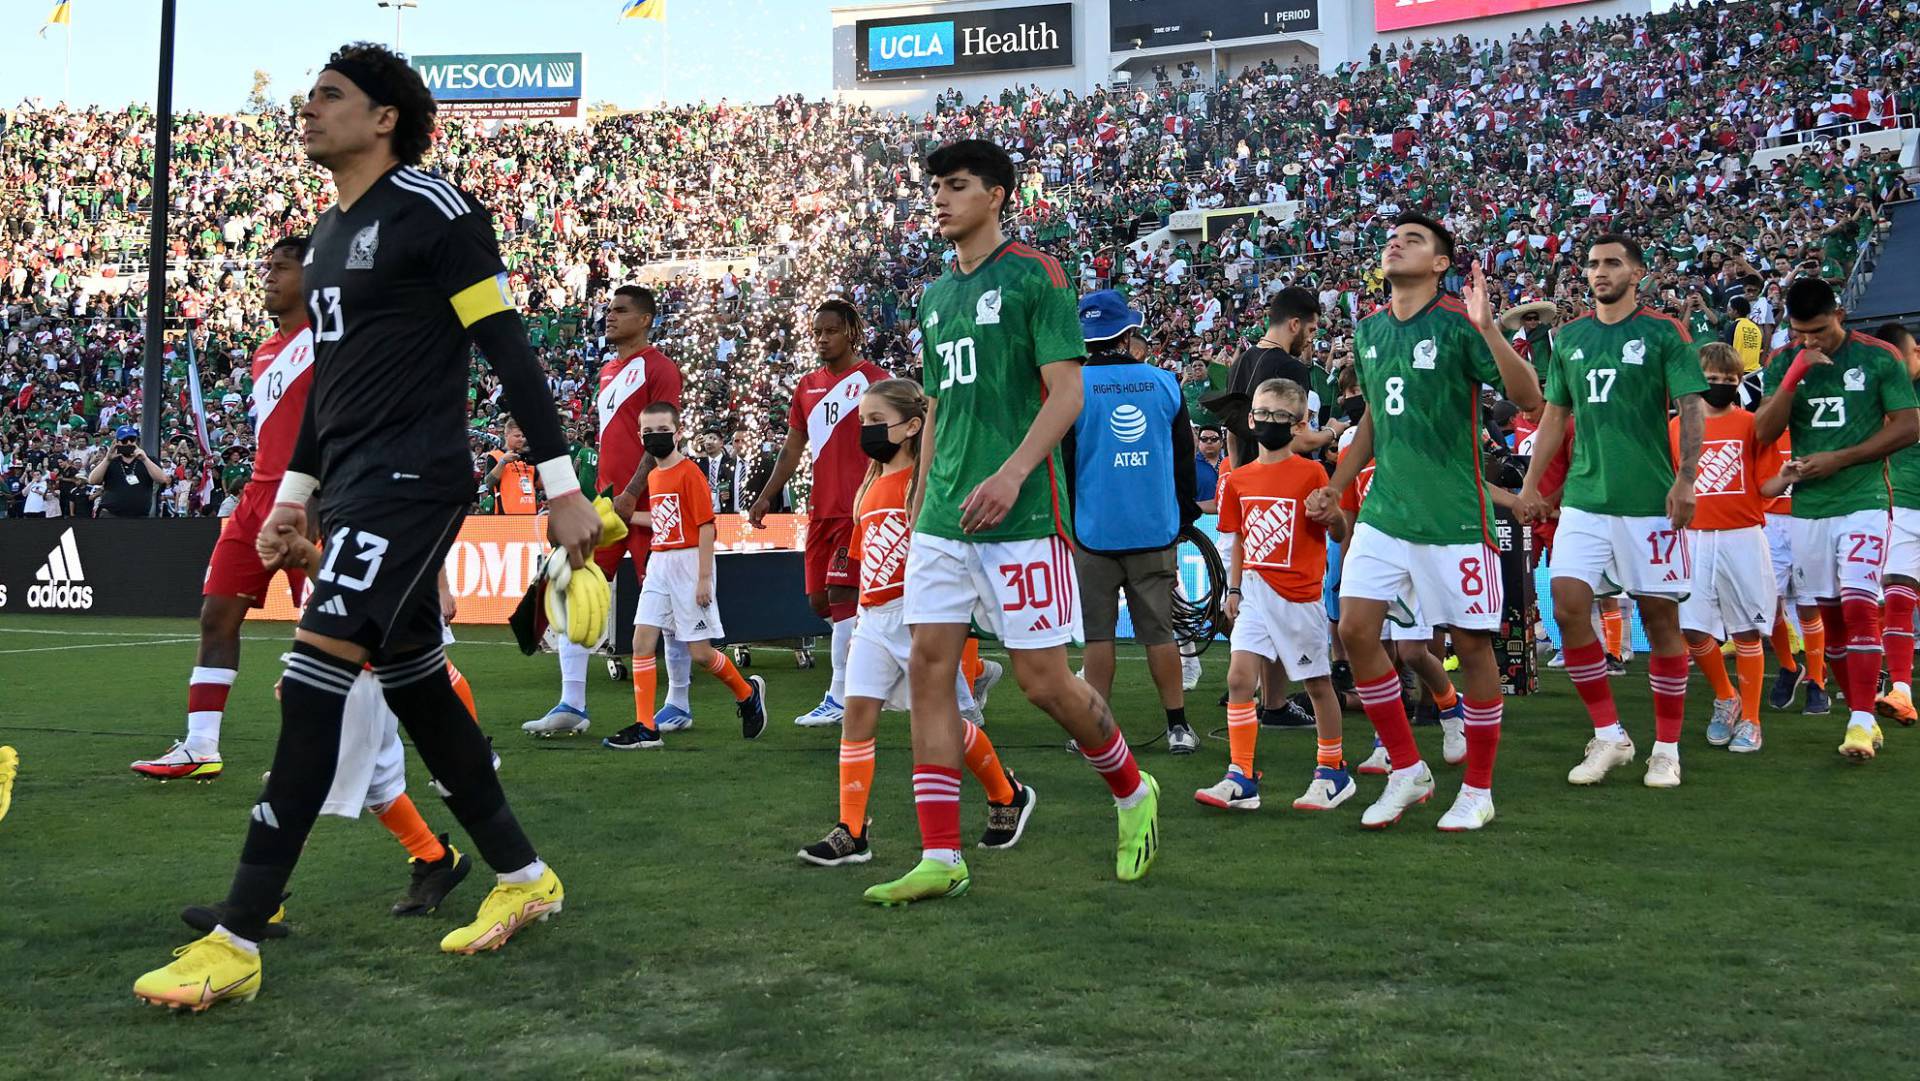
[(1139, 834), (930, 880)]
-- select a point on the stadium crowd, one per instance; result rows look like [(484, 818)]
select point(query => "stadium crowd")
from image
[(748, 215)]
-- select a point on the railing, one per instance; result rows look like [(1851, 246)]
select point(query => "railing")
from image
[(1860, 274), (1833, 131)]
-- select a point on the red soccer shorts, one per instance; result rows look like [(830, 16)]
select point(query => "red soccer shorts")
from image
[(234, 569), (827, 561)]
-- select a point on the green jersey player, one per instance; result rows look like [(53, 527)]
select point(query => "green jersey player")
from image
[(1848, 403), (1423, 547), (1001, 350), (1614, 373)]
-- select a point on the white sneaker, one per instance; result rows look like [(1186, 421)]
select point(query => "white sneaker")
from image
[(1663, 771), (825, 715), (990, 673), (1329, 789), (561, 720), (1602, 756), (1403, 790), (1470, 811), (1378, 764), (1189, 672), (1453, 739), (1558, 660), (1181, 740)]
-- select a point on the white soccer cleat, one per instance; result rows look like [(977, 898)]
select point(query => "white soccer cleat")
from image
[(561, 720), (1470, 811), (1378, 764), (1453, 739), (1602, 756), (825, 715), (1403, 790), (1189, 672), (1663, 771), (180, 764), (990, 673)]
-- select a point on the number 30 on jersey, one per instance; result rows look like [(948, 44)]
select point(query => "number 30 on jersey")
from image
[(957, 362)]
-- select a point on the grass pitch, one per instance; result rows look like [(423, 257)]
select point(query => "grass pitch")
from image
[(1757, 922)]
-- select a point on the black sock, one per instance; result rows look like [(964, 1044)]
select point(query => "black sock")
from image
[(455, 753), (313, 698), (1176, 716)]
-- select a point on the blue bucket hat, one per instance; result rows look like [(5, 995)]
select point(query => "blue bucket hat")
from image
[(1105, 315)]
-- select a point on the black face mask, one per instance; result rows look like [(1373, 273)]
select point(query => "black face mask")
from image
[(876, 442), (1354, 408), (1721, 395), (658, 444), (1272, 435)]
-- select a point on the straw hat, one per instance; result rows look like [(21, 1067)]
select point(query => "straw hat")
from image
[(1545, 309)]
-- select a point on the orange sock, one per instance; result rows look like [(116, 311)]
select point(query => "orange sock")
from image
[(1243, 731), (465, 690), (985, 766), (1713, 665), (1753, 665), (856, 783), (1613, 626), (403, 820), (723, 668), (970, 665), (644, 678), (1814, 633), (1329, 753), (1783, 644), (1443, 699)]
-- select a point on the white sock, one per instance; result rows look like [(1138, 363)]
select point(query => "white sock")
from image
[(842, 645), (573, 675), (948, 856), (1133, 798), (1612, 733), (679, 673), (247, 944), (203, 726), (530, 873), (1903, 689), (1861, 720), (1667, 749)]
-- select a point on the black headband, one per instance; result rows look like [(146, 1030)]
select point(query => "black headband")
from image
[(363, 75)]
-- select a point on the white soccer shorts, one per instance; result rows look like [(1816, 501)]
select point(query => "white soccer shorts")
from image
[(666, 597), (1425, 585), (1780, 552), (1841, 554), (1291, 632), (1733, 591), (1611, 553), (879, 656), (1023, 592), (1903, 544)]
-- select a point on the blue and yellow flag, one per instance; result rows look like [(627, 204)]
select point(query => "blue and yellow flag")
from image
[(63, 16), (637, 9)]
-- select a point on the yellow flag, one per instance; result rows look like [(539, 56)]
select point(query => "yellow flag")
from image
[(639, 9), (62, 16)]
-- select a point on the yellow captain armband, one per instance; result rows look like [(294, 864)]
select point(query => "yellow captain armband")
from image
[(488, 296)]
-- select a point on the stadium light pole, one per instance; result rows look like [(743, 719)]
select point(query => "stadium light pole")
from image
[(399, 15), (153, 370)]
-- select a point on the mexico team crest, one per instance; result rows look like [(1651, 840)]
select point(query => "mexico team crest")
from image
[(366, 242)]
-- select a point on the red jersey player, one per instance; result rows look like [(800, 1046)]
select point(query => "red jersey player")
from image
[(235, 582), (824, 421), (640, 377)]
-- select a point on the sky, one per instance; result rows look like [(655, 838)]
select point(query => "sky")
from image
[(737, 49)]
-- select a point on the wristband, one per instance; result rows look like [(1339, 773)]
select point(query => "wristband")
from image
[(1233, 591), (557, 476), (1795, 372), (295, 490)]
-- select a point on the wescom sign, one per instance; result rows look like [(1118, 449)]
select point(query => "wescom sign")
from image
[(501, 76)]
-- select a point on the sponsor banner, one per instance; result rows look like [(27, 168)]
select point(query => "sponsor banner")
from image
[(1149, 24), (104, 566), (512, 110), (501, 76), (997, 39), (1400, 14)]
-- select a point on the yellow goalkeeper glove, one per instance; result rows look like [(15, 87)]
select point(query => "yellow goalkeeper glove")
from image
[(612, 529), (578, 599)]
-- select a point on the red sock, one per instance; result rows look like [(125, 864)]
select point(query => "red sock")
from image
[(1388, 713), (1833, 617), (1113, 761), (1862, 613), (1668, 677), (1897, 639), (1483, 742), (936, 800), (1587, 667)]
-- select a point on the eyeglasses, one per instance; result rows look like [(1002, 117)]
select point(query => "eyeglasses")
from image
[(1209, 438), (1273, 416)]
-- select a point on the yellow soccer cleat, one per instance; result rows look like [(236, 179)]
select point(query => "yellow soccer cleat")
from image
[(510, 907), (203, 972), (9, 769), (1896, 706), (1860, 744)]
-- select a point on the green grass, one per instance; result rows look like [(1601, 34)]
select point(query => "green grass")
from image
[(1757, 922)]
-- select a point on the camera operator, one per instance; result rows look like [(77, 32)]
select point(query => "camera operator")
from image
[(127, 477)]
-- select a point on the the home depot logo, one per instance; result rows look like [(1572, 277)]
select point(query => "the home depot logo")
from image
[(60, 583)]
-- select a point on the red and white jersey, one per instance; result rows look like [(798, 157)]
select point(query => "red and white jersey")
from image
[(627, 386), (827, 407), (282, 376)]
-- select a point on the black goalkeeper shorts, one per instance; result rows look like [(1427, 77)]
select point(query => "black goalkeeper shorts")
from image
[(378, 584)]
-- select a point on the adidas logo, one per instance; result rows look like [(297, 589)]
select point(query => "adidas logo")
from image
[(334, 606), (853, 786), (1303, 658), (59, 583), (700, 625), (1041, 624)]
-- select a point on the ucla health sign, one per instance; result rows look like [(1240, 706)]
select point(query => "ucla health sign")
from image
[(1000, 39)]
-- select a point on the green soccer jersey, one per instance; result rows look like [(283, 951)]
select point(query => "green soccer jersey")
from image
[(1421, 379), (1903, 466), (1842, 405), (1618, 381), (986, 336)]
